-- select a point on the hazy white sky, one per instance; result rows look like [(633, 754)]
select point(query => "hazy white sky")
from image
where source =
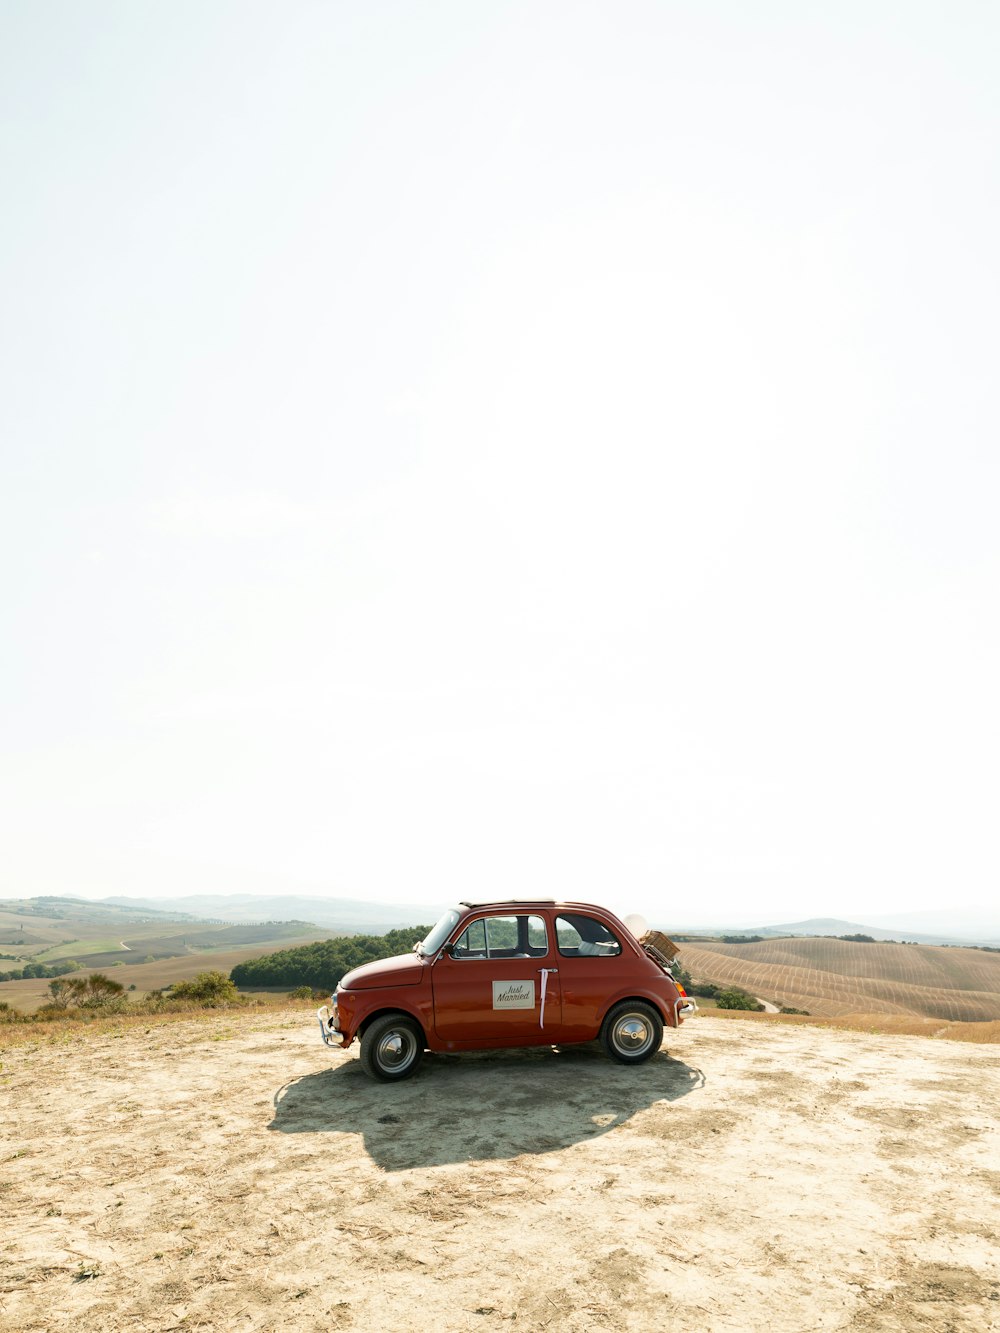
[(525, 448)]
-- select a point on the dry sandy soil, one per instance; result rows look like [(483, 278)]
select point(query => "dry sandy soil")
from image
[(233, 1174)]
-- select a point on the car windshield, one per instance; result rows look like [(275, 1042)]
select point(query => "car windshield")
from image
[(439, 934)]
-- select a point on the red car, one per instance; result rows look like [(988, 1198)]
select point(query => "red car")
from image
[(496, 974)]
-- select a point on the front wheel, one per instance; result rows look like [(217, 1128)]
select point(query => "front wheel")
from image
[(391, 1048), (632, 1032)]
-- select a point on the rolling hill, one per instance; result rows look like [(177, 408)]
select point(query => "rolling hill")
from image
[(831, 977), (146, 947), (346, 915)]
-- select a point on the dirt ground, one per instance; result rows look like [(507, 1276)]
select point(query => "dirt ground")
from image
[(233, 1174)]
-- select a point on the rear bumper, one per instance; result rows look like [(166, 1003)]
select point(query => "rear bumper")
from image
[(684, 1007), (332, 1036)]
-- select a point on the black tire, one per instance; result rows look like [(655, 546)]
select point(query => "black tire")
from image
[(632, 1032), (391, 1048)]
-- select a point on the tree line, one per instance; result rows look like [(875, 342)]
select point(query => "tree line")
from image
[(40, 970), (322, 964)]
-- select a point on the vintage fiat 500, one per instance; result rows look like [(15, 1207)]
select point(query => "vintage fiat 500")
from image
[(535, 973)]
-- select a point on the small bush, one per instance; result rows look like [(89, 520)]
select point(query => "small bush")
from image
[(734, 998), (100, 992), (94, 992), (50, 1011), (208, 988), (108, 1004), (301, 993)]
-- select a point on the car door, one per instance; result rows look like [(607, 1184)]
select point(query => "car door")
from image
[(489, 985), (592, 967)]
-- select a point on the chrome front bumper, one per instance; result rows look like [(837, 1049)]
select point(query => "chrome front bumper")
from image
[(332, 1036)]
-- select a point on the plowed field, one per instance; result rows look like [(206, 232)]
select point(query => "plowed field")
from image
[(833, 977)]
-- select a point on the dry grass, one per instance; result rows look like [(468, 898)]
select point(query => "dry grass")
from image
[(29, 995), (901, 1025), (64, 1032), (71, 1031)]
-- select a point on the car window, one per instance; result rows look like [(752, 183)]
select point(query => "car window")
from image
[(472, 941), (439, 933), (581, 936), (503, 936)]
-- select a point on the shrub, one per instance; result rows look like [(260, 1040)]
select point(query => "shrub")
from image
[(301, 993), (100, 992), (94, 992), (50, 1011), (734, 998), (60, 994), (209, 988), (706, 989)]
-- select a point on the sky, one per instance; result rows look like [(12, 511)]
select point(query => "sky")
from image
[(531, 449)]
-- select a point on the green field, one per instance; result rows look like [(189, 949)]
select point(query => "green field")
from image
[(76, 949)]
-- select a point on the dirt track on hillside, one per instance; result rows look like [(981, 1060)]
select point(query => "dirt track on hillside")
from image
[(235, 1175)]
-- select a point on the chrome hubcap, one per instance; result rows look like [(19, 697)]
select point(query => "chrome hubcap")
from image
[(395, 1050), (632, 1034)]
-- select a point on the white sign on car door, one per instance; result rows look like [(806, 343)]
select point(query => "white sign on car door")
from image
[(513, 995)]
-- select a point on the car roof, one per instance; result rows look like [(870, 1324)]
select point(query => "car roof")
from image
[(508, 902), (533, 902)]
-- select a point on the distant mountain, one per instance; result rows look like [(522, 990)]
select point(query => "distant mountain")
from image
[(350, 915), (960, 927), (832, 926), (116, 911), (963, 928), (820, 925)]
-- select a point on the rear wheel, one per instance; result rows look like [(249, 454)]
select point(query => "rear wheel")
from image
[(391, 1048), (632, 1032)]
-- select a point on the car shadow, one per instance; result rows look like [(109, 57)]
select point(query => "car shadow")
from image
[(486, 1105)]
